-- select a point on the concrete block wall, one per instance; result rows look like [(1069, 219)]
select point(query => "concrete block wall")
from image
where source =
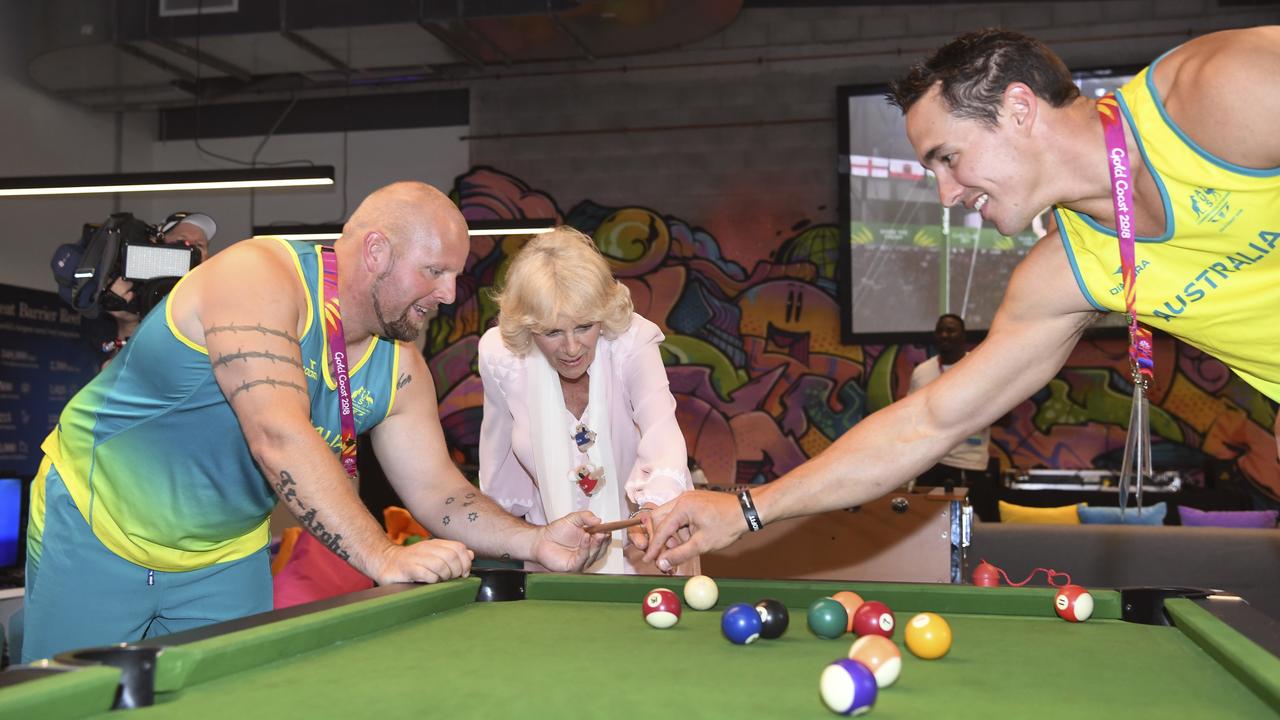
[(739, 129)]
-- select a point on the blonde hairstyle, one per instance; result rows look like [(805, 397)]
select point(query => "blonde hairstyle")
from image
[(560, 273)]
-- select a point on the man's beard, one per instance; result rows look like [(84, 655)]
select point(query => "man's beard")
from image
[(402, 328)]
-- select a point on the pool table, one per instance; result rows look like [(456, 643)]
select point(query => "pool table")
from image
[(577, 646)]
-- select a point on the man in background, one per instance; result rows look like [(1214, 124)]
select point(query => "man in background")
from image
[(193, 229), (965, 462)]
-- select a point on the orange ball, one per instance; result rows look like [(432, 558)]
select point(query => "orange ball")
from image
[(928, 636), (851, 602), (880, 655)]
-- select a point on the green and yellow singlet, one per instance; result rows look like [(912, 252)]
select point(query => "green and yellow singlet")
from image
[(154, 457)]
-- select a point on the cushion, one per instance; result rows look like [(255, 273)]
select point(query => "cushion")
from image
[(1111, 515), (313, 573), (1064, 515), (1228, 518), (305, 570), (401, 525), (288, 540)]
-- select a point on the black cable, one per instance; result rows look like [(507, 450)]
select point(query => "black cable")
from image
[(198, 92)]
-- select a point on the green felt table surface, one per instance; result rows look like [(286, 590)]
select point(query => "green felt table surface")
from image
[(578, 647)]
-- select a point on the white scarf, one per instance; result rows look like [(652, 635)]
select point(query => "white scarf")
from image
[(555, 453)]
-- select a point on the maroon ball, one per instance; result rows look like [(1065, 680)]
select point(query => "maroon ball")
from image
[(874, 618), (661, 608)]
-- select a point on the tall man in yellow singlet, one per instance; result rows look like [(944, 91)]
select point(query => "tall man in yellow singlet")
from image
[(995, 115)]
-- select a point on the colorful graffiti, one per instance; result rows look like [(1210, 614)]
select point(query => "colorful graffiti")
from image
[(762, 381)]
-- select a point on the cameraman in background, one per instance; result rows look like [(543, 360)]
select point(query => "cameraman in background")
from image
[(192, 229)]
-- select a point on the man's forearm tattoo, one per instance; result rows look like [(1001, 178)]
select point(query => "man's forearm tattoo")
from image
[(333, 541), (468, 500), (405, 379), (287, 489)]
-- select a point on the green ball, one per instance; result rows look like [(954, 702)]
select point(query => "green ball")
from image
[(827, 618), (412, 539)]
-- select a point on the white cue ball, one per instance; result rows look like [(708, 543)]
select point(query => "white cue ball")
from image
[(701, 593)]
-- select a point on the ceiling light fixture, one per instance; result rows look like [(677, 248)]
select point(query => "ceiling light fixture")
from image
[(276, 177), (321, 233), (523, 226)]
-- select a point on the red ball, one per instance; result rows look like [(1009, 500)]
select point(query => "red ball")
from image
[(873, 618), (1073, 603), (661, 608), (986, 575)]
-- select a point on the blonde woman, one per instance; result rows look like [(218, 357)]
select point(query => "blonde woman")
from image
[(577, 411)]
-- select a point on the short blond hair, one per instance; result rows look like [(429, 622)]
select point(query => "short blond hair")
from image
[(561, 272)]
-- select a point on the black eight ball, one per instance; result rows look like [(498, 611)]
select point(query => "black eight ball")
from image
[(773, 618)]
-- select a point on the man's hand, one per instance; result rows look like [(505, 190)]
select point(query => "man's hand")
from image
[(124, 290), (429, 561), (711, 519), (564, 546)]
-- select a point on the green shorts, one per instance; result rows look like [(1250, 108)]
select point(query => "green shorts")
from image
[(80, 594)]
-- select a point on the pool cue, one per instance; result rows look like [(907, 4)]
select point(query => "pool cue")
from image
[(611, 526)]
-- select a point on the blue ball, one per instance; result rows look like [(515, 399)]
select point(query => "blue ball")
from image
[(740, 623), (848, 687)]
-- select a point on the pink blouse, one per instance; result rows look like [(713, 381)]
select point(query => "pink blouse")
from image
[(648, 448)]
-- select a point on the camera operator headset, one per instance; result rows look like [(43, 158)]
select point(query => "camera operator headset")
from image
[(127, 302)]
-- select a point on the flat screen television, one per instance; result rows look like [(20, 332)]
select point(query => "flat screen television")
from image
[(905, 259)]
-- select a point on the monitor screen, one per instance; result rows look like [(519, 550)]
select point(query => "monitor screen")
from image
[(11, 500), (906, 259)]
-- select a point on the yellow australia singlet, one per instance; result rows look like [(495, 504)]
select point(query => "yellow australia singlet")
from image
[(1212, 279)]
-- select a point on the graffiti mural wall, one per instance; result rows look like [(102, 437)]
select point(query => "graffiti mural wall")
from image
[(760, 376)]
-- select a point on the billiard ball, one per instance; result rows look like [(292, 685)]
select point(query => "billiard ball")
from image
[(661, 608), (774, 618), (701, 592), (827, 618), (1073, 603), (873, 618), (741, 624), (851, 602), (848, 687), (986, 575), (928, 636), (880, 655)]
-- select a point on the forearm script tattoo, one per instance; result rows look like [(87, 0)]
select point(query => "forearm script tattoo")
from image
[(287, 489)]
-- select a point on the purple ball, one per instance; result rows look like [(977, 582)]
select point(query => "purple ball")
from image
[(848, 687)]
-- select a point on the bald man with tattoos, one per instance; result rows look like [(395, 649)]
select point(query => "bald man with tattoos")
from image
[(149, 514)]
